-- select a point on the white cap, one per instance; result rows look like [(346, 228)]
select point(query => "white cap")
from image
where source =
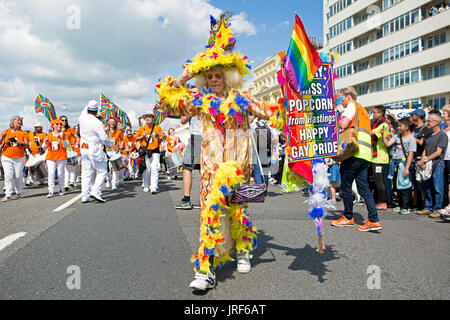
[(38, 124), (92, 106)]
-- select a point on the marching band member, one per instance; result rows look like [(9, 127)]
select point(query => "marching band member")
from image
[(129, 143), (72, 170), (14, 141), (56, 144), (150, 136), (36, 139), (93, 157), (171, 146), (69, 132), (116, 137)]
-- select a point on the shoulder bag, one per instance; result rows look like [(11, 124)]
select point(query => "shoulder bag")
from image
[(348, 140), (248, 192)]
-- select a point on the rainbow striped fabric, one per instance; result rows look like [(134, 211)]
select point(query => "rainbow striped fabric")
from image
[(302, 60), (42, 104)]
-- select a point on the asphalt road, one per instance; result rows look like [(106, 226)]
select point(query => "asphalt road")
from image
[(137, 246)]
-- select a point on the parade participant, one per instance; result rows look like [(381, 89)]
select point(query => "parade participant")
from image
[(36, 138), (150, 136), (191, 159), (356, 167), (72, 171), (171, 146), (93, 156), (56, 144), (14, 141), (129, 150), (116, 137), (223, 112), (69, 132)]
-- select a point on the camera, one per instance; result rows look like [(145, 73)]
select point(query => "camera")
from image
[(12, 142)]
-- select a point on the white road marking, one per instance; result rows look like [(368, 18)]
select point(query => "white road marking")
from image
[(68, 203), (10, 239)]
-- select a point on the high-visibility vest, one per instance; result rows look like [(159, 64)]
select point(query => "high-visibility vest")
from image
[(364, 133)]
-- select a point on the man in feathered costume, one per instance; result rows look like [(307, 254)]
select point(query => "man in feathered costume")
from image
[(223, 111)]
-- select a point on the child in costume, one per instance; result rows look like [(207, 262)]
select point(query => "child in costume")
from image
[(223, 111)]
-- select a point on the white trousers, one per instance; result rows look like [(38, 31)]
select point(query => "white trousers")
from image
[(57, 167), (13, 171), (71, 175), (89, 170), (151, 174)]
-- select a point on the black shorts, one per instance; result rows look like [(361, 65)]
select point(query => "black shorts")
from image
[(192, 153)]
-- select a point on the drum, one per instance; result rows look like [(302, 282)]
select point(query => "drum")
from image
[(174, 159), (72, 158), (36, 164), (116, 162)]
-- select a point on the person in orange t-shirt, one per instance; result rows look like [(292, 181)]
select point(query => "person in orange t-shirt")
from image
[(150, 136), (14, 141), (71, 172), (36, 139), (114, 177), (130, 152), (56, 144), (172, 142)]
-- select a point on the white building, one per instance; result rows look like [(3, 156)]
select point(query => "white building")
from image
[(264, 85), (393, 52)]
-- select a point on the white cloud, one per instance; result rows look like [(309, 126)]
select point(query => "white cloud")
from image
[(121, 49)]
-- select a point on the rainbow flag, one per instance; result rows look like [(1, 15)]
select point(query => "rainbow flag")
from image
[(302, 60), (109, 109), (42, 104)]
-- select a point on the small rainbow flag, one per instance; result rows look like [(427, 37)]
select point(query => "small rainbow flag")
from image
[(302, 60), (42, 104)]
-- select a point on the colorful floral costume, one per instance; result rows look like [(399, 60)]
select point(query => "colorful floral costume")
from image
[(225, 159)]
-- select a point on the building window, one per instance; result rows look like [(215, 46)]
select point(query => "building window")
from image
[(401, 22), (339, 6), (401, 78), (386, 4)]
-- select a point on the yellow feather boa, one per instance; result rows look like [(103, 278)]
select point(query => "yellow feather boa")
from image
[(227, 178)]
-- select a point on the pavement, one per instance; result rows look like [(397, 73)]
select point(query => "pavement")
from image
[(136, 246)]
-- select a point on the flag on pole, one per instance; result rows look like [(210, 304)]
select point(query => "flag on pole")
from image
[(42, 104), (159, 114), (108, 109), (302, 60)]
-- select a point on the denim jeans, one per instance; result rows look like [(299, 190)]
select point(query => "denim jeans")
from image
[(258, 177), (434, 188), (351, 169)]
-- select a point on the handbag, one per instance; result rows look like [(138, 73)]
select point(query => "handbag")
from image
[(248, 192), (348, 140), (143, 150)]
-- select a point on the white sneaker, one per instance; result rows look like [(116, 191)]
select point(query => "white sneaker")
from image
[(61, 193), (203, 281), (50, 195), (146, 190), (108, 184), (243, 263), (154, 191)]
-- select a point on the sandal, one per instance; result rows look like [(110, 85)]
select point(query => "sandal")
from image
[(5, 199)]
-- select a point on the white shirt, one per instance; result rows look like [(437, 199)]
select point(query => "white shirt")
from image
[(447, 153), (194, 126), (94, 136), (350, 111)]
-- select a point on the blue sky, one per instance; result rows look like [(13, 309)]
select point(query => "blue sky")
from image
[(274, 21)]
